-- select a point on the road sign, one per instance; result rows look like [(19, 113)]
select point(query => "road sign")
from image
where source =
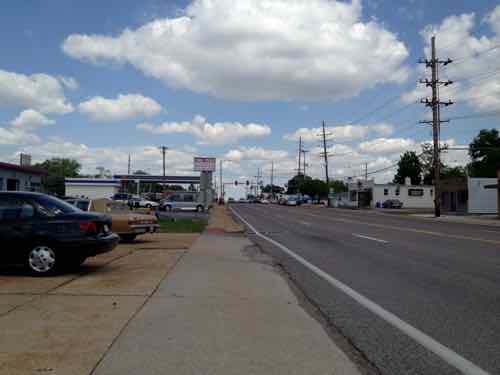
[(204, 164)]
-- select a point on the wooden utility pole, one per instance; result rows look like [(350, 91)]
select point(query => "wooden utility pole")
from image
[(163, 151), (366, 171), (128, 169), (300, 155), (272, 179), (435, 105), (304, 161), (325, 154), (220, 181)]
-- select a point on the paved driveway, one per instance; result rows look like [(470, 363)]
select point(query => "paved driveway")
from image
[(65, 324)]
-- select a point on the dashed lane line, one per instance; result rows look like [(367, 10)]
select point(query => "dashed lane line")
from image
[(448, 355)]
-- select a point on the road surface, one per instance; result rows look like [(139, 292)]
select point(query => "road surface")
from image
[(442, 279)]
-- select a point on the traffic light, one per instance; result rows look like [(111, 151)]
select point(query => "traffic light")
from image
[(236, 183)]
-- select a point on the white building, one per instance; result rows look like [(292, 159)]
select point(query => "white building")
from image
[(481, 199), (92, 188), (368, 194)]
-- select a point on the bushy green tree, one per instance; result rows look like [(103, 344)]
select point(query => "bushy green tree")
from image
[(409, 165), (484, 151)]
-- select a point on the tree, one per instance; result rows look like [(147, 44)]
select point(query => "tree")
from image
[(409, 165), (315, 188), (57, 170), (484, 151), (275, 189), (140, 172), (338, 186), (61, 167), (294, 184)]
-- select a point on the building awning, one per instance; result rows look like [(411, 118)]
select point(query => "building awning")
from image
[(23, 169)]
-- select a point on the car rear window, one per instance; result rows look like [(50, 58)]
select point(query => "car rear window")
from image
[(52, 206)]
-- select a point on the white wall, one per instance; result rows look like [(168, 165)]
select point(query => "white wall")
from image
[(481, 200), (424, 201), (91, 191)]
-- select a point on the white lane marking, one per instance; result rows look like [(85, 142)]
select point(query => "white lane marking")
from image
[(370, 238), (448, 355), (306, 223)]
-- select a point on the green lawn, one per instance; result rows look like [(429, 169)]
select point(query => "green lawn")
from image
[(182, 225)]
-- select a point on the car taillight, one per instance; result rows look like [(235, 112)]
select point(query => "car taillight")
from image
[(88, 227)]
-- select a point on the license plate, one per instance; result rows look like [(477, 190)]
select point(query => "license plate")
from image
[(105, 228)]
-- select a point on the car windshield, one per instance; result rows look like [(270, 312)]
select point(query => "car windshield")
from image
[(117, 208), (52, 206)]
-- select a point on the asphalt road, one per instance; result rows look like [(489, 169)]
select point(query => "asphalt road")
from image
[(441, 278)]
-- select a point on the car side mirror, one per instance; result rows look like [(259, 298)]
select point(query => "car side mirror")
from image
[(27, 211)]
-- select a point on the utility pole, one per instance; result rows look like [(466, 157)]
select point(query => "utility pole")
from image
[(325, 154), (300, 155), (304, 161), (272, 179), (366, 171), (128, 165), (221, 183), (435, 105), (163, 151)]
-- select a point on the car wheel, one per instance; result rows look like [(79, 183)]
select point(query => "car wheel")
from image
[(127, 237), (42, 260), (148, 206), (168, 208), (199, 208)]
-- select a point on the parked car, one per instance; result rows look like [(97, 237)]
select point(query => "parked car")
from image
[(183, 201), (231, 200), (127, 224), (122, 197), (292, 201), (392, 203), (243, 200), (47, 235), (142, 203)]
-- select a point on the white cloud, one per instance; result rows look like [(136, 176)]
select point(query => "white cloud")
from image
[(122, 108), (257, 49), (69, 82), (15, 136), (38, 91), (30, 119), (340, 133), (145, 157), (383, 129), (217, 133), (475, 67), (387, 145), (256, 153), (346, 132)]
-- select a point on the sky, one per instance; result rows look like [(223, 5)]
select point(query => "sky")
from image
[(242, 81)]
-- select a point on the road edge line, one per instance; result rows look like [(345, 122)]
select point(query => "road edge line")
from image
[(446, 354)]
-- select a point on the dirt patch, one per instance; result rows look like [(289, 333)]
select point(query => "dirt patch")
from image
[(163, 241), (221, 221)]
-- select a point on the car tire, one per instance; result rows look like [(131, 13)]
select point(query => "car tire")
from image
[(199, 208), (148, 206), (168, 208), (128, 237), (43, 260)]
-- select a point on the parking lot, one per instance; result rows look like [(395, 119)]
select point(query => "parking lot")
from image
[(65, 324)]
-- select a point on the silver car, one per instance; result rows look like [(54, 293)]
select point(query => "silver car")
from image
[(182, 201)]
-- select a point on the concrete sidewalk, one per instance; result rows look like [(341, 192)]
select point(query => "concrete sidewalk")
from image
[(490, 220), (220, 312)]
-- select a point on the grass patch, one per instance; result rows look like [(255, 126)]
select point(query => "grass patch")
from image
[(182, 225)]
